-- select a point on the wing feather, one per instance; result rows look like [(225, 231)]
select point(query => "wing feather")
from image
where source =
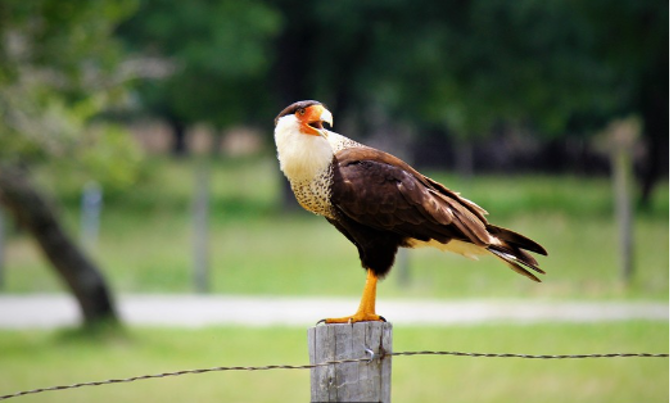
[(380, 191)]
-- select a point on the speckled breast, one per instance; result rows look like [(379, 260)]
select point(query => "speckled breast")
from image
[(314, 195)]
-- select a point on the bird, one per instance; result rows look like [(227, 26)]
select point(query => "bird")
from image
[(380, 203)]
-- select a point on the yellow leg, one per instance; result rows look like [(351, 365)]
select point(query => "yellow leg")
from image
[(366, 309)]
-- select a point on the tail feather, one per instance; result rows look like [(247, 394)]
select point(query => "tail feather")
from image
[(511, 251), (515, 239), (513, 263)]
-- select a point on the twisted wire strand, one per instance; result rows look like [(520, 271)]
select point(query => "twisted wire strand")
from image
[(178, 373), (327, 363), (527, 356)]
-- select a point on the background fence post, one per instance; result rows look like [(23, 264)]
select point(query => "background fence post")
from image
[(2, 250), (351, 382), (91, 206), (623, 135), (201, 229)]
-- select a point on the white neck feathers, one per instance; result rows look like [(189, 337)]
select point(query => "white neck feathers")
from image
[(301, 157)]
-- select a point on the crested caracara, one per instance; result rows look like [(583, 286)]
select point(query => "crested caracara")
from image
[(380, 203)]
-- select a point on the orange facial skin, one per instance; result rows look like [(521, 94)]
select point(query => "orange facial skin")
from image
[(311, 122)]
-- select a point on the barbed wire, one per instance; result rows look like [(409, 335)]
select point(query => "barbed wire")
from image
[(527, 356), (327, 363)]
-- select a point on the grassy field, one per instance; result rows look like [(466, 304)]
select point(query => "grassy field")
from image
[(33, 359), (146, 239), (146, 243)]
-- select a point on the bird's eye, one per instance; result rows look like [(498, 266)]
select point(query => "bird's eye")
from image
[(301, 111)]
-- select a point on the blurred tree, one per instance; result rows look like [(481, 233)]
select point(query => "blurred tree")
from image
[(469, 65), (58, 72), (221, 51), (559, 68), (461, 65), (466, 67), (303, 67), (631, 40)]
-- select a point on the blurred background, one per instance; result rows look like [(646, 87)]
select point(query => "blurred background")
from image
[(137, 157)]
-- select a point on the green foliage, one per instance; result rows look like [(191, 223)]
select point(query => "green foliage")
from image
[(220, 51), (470, 65), (555, 67), (112, 158), (58, 73)]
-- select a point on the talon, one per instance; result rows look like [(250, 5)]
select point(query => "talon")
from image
[(366, 309), (356, 318)]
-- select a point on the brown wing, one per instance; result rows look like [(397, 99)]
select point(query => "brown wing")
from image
[(381, 191)]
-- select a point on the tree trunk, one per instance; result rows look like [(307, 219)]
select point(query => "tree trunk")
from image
[(288, 72), (465, 159), (29, 207), (654, 113), (652, 168), (179, 146)]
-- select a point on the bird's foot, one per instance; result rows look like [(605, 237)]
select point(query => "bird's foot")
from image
[(356, 318)]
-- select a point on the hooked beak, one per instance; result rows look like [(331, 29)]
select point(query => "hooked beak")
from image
[(326, 117), (313, 119)]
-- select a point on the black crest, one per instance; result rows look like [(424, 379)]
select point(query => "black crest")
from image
[(291, 109)]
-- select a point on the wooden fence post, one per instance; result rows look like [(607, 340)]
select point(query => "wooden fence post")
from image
[(2, 249), (623, 134), (200, 229), (91, 206), (351, 382)]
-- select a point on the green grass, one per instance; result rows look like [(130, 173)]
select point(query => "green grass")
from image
[(32, 359), (146, 239), (145, 246)]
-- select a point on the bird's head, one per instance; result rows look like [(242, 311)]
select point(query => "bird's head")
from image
[(302, 139), (306, 117)]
